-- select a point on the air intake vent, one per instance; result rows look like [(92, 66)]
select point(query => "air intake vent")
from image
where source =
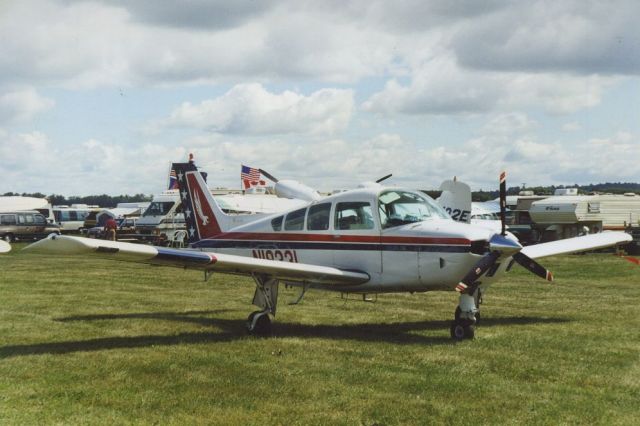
[(479, 247)]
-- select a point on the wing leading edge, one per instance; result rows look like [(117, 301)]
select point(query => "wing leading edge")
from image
[(577, 244), (194, 259)]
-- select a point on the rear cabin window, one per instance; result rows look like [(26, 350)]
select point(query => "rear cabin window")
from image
[(29, 218), (318, 217), (295, 220), (22, 219), (8, 219), (354, 215), (276, 223)]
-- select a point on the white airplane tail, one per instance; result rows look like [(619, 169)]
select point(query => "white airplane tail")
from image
[(456, 200), (203, 216)]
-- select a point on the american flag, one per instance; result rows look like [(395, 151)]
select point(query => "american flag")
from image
[(250, 177)]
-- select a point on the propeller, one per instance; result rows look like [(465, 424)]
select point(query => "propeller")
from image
[(503, 202), (499, 246), (531, 265)]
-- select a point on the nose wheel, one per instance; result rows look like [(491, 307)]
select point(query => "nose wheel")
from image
[(462, 329), (466, 316)]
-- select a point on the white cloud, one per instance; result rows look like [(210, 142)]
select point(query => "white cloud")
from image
[(250, 109), (22, 105), (568, 36), (440, 86)]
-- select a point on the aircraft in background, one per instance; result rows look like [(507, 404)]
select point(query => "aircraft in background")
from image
[(368, 240)]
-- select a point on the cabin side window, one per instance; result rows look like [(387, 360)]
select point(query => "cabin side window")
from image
[(276, 223), (354, 215), (318, 217), (295, 220)]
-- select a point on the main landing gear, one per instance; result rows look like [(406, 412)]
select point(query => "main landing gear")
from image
[(266, 298), (467, 316)]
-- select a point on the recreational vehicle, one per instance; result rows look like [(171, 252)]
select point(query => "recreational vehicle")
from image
[(562, 217), (71, 219), (18, 203)]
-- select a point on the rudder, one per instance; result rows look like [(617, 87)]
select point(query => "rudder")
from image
[(203, 216)]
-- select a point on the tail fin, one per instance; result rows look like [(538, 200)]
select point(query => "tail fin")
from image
[(203, 216), (456, 200)]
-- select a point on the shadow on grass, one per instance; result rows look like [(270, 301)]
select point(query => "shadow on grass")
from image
[(232, 329)]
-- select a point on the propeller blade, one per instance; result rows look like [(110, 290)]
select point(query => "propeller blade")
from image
[(467, 285), (528, 263), (503, 201), (269, 176)]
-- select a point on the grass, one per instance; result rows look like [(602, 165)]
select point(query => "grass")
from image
[(87, 341)]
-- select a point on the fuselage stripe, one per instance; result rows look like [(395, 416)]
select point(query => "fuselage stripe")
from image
[(306, 245)]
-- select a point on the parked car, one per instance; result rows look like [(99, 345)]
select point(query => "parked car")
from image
[(25, 225)]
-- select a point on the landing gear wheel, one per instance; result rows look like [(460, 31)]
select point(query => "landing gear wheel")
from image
[(260, 326), (457, 331), (460, 331)]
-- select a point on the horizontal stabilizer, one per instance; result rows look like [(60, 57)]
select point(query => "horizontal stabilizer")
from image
[(577, 244), (196, 259)]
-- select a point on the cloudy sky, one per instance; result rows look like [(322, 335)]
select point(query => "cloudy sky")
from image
[(100, 96)]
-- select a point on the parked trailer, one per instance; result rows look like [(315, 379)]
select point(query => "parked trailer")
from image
[(568, 216)]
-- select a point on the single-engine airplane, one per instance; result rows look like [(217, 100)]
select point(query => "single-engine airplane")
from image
[(369, 240)]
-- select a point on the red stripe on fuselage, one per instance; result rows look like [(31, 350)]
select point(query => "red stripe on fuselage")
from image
[(277, 236)]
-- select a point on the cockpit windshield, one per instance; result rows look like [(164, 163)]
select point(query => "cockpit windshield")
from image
[(401, 207)]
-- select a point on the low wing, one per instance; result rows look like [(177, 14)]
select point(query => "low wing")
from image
[(195, 259), (577, 244)]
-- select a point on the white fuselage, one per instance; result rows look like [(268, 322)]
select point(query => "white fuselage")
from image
[(432, 254)]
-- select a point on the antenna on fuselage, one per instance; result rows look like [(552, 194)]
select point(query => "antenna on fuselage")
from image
[(384, 178), (269, 176)]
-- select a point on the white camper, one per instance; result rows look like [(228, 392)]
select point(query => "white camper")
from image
[(568, 216), (71, 219), (13, 203)]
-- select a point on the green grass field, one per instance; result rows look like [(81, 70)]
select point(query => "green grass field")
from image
[(98, 342)]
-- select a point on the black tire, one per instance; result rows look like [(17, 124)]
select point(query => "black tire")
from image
[(8, 238), (263, 326), (469, 331), (457, 331)]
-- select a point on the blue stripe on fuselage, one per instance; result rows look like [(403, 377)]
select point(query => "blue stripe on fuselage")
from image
[(306, 245)]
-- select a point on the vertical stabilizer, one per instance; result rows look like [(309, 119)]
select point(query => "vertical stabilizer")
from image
[(203, 216), (456, 200)]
